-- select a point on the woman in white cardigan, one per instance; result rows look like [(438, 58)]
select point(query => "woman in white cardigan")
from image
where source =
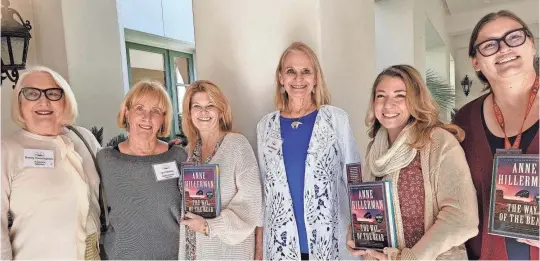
[(303, 148)]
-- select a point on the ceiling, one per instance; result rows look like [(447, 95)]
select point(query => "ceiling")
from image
[(459, 6)]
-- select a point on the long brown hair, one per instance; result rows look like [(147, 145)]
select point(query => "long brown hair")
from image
[(320, 95), (423, 109), (486, 20), (219, 100)]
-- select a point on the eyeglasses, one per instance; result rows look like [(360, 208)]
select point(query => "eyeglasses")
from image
[(513, 38), (33, 94), (198, 108)]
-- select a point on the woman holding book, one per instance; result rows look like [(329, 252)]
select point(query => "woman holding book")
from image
[(502, 52), (144, 201), (208, 127), (433, 195), (303, 148)]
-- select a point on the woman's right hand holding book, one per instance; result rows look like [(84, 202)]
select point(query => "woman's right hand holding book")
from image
[(371, 254)]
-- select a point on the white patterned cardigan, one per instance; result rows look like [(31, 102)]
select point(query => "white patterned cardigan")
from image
[(326, 202)]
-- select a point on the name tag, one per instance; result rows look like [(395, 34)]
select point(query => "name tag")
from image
[(273, 146), (166, 171), (38, 158)]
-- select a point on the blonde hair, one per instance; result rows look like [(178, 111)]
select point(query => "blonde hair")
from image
[(70, 107), (153, 90), (219, 100), (423, 109), (320, 95)]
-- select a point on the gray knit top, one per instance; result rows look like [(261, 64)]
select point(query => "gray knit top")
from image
[(144, 213)]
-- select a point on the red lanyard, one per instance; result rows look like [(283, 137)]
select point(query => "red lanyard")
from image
[(500, 118)]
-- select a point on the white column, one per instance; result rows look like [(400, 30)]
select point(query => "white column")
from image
[(239, 44), (400, 33), (96, 61)]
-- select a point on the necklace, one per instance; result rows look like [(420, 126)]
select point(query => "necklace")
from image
[(296, 123)]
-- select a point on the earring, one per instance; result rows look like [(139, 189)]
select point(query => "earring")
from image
[(282, 89), (161, 129), (126, 122)]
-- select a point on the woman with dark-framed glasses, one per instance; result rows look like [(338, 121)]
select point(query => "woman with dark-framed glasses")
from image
[(49, 182), (503, 54)]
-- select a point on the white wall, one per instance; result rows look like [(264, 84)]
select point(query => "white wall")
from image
[(96, 61), (394, 46), (255, 33), (348, 52), (438, 60), (24, 7), (168, 18)]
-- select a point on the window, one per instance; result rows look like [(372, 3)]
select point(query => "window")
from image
[(173, 69)]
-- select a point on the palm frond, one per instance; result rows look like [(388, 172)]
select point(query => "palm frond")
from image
[(116, 140), (443, 93), (98, 133)]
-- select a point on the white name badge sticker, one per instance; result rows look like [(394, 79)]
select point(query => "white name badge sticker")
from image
[(166, 171), (38, 158), (273, 146)]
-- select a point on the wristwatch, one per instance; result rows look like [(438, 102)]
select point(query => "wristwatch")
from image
[(206, 228)]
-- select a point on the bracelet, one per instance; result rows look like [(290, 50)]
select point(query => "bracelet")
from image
[(206, 228)]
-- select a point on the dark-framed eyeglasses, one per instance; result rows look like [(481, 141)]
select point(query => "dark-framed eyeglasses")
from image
[(33, 94), (513, 38)]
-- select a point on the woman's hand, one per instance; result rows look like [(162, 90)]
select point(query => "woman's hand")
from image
[(259, 243), (195, 223), (530, 242), (377, 255), (372, 253), (351, 245)]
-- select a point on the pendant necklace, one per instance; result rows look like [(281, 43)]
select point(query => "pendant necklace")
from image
[(296, 123)]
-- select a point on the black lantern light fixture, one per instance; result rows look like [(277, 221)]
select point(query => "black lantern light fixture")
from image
[(466, 84), (15, 39)]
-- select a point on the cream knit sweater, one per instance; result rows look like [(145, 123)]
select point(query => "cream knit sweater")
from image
[(451, 211), (54, 210), (232, 233)]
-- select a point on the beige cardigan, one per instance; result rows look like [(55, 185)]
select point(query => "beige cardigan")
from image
[(451, 208), (232, 233)]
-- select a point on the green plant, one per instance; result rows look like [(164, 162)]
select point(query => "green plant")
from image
[(442, 91), (116, 140), (98, 133), (453, 114)]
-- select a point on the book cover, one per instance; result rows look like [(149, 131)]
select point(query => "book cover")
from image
[(354, 173), (201, 189), (514, 197), (372, 215)]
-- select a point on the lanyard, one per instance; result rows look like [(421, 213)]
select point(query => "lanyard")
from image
[(500, 118)]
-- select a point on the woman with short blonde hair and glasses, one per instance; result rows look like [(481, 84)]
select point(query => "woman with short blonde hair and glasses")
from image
[(144, 201), (50, 185), (207, 124), (433, 196)]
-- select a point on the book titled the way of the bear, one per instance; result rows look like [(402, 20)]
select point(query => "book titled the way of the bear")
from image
[(201, 193), (372, 217), (514, 208)]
